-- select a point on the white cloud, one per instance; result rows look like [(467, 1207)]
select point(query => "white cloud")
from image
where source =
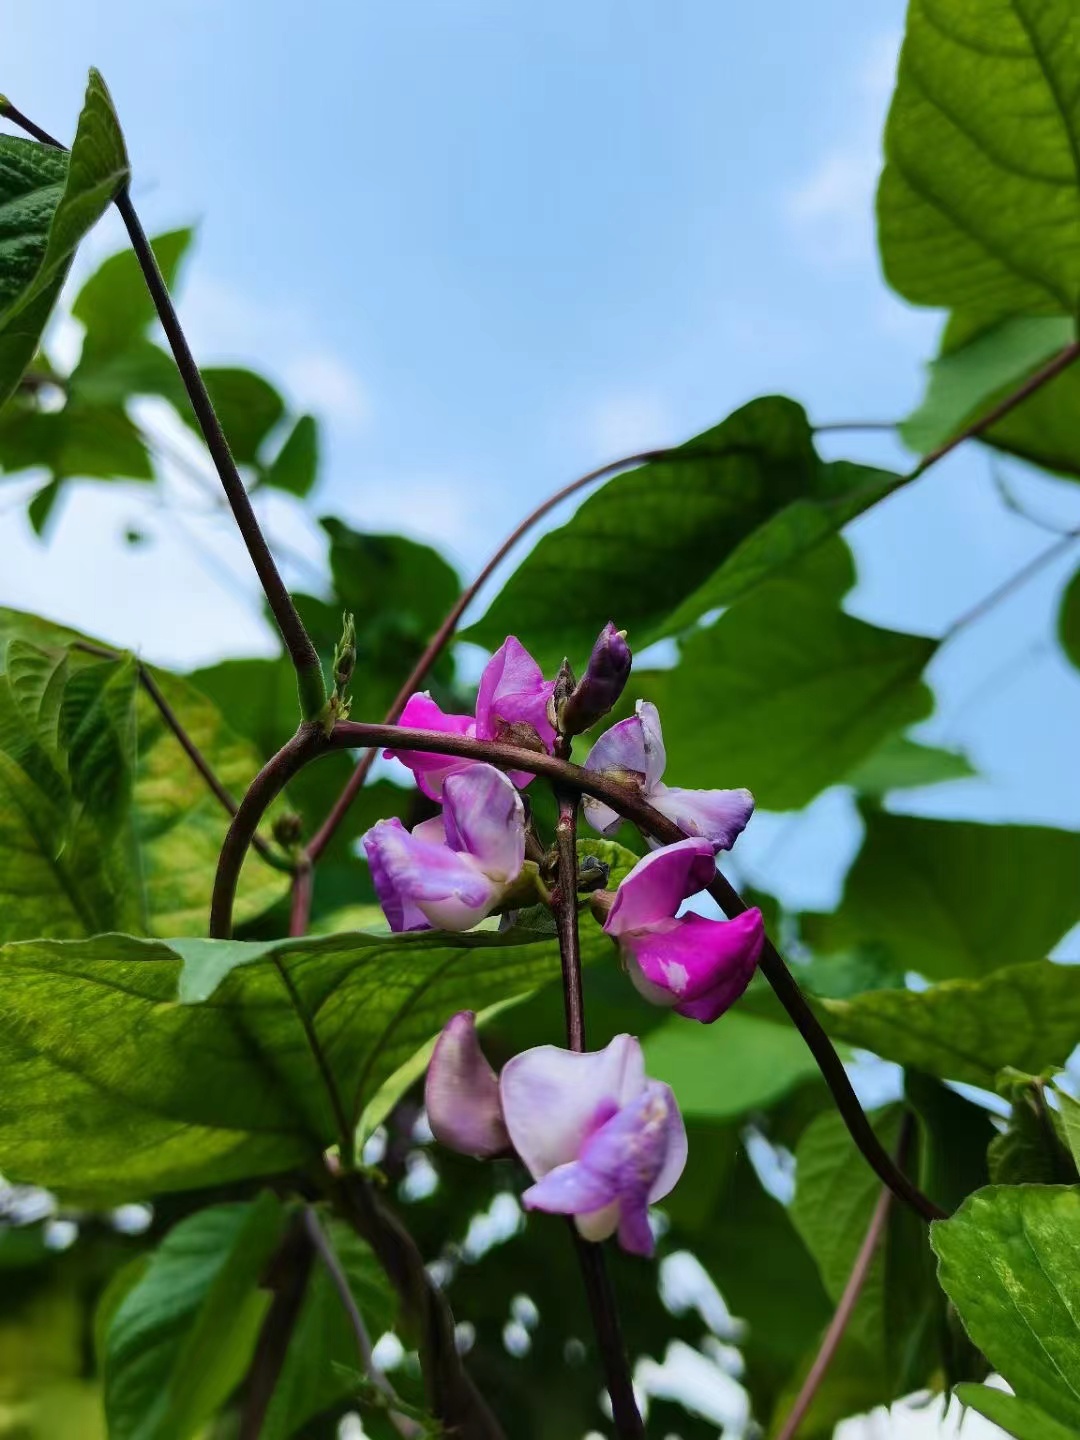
[(831, 208), (321, 381), (622, 423)]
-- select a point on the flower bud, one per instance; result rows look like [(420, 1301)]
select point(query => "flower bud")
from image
[(462, 1093), (599, 688)]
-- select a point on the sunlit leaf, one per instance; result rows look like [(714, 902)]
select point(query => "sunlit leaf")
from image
[(114, 305)]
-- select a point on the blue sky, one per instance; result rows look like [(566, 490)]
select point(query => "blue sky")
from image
[(495, 245)]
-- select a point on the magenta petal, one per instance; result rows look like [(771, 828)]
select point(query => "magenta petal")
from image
[(705, 965), (461, 1093), (513, 691), (570, 1189), (398, 907), (430, 770), (718, 815), (450, 890), (635, 1232), (552, 1099), (484, 817), (657, 885)]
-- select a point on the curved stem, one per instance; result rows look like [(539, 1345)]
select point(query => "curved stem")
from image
[(1015, 581), (848, 1300), (438, 642), (310, 742)]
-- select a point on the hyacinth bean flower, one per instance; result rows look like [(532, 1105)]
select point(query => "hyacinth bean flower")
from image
[(512, 691), (696, 965), (451, 871), (601, 1141), (599, 689), (634, 750)]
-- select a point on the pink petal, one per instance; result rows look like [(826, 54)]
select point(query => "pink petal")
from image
[(448, 889), (461, 1092), (657, 885), (702, 965), (632, 747), (513, 691), (552, 1098), (397, 905), (421, 713), (718, 815), (570, 1189), (484, 817)]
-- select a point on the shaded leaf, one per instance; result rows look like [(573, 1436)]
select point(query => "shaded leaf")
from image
[(1017, 1417), (1069, 620), (182, 1337), (115, 306), (900, 763), (247, 405), (1027, 1016), (1029, 1150), (953, 897), (295, 467)]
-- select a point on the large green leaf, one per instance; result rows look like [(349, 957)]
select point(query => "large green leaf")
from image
[(951, 897), (660, 546), (1018, 1417), (1069, 620), (182, 1337), (1027, 1016), (786, 694), (322, 1353), (1010, 1263), (48, 202), (105, 824), (978, 207), (114, 305), (113, 1086)]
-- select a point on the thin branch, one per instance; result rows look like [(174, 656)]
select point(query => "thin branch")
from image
[(300, 897), (605, 1317), (849, 1299), (832, 426), (1014, 582), (310, 742), (452, 1397), (290, 1271), (187, 744), (566, 918), (405, 1427)]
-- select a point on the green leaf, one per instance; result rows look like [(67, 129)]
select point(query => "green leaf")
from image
[(664, 544), (954, 1134), (900, 763), (67, 869), (1010, 1263), (182, 1338), (952, 897), (1017, 1417), (978, 206), (972, 374), (724, 1070), (247, 405), (1069, 620), (295, 467), (1069, 1110), (322, 1350), (114, 305), (49, 202), (786, 694), (114, 1088), (1029, 1150), (1027, 1016)]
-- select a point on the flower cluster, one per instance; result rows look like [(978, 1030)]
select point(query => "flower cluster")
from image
[(599, 1139)]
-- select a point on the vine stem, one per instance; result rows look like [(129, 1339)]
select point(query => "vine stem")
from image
[(310, 742), (446, 630), (849, 1299), (598, 1290), (406, 1428), (309, 673), (288, 1275)]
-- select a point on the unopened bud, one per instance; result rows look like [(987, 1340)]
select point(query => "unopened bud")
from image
[(288, 829), (345, 654), (599, 688), (593, 874), (462, 1093)]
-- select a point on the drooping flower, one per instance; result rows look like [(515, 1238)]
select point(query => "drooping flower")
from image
[(512, 692), (461, 1093), (633, 750), (696, 965), (601, 1141), (598, 690), (451, 871)]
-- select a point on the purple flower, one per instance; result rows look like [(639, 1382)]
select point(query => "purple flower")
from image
[(599, 688), (461, 1093), (601, 1141), (512, 691), (634, 750), (699, 966), (451, 871)]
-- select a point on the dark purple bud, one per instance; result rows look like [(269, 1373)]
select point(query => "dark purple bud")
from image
[(599, 688), (462, 1093)]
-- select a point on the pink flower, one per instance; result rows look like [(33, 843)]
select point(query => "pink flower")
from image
[(601, 1141), (512, 691), (451, 871), (698, 966), (634, 750)]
